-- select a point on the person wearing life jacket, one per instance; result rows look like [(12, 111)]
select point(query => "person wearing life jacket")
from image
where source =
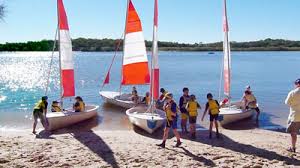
[(146, 99), (135, 97), (39, 112), (182, 106), (251, 102), (213, 107), (192, 108), (171, 112), (55, 107), (79, 105)]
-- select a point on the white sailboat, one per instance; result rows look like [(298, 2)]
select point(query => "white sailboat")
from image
[(150, 118), (135, 62), (63, 119), (233, 111)]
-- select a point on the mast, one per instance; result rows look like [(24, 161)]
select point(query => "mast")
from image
[(227, 54), (59, 56), (154, 61), (125, 27)]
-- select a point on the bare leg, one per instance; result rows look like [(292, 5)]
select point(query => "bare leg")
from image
[(176, 134), (257, 113), (210, 129), (217, 128), (34, 125), (166, 134), (293, 140)]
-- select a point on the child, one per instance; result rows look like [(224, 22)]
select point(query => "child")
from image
[(146, 99), (171, 112), (135, 97), (55, 107), (192, 107), (182, 106), (251, 103), (79, 101), (213, 107)]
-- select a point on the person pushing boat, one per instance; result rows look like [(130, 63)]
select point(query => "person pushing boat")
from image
[(214, 109), (182, 106), (39, 112), (79, 105), (171, 112), (293, 127)]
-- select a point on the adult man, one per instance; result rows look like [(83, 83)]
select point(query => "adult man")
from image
[(293, 100)]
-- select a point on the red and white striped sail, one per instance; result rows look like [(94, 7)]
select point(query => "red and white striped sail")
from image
[(65, 52), (135, 62), (227, 55), (155, 65)]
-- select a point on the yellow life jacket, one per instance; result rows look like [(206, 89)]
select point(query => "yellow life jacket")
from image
[(169, 113), (40, 105), (147, 99), (193, 108), (251, 101), (213, 107), (55, 109), (186, 99), (82, 106)]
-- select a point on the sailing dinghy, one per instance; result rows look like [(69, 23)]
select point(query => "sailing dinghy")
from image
[(135, 62), (233, 111), (150, 118), (66, 118)]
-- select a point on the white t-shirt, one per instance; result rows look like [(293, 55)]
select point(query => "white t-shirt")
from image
[(293, 100)]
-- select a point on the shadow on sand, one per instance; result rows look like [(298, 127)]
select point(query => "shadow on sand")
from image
[(84, 134), (228, 143)]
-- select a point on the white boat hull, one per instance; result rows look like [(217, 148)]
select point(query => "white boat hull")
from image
[(234, 113), (149, 122), (57, 120), (117, 99)]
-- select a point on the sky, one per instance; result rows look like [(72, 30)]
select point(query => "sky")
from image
[(188, 21)]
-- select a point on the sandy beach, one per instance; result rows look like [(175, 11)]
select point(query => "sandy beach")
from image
[(237, 148)]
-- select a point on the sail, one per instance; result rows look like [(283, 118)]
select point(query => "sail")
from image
[(227, 55), (65, 52), (135, 62), (155, 65)]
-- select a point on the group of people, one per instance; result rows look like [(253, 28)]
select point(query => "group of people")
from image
[(40, 110), (188, 108)]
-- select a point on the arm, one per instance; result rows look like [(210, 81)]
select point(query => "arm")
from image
[(289, 99), (181, 102), (205, 111)]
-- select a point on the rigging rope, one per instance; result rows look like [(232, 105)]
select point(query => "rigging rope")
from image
[(51, 62), (113, 59)]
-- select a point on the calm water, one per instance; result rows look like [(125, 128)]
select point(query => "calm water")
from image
[(23, 79)]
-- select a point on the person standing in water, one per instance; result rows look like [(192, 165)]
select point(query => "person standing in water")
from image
[(184, 113), (293, 100), (171, 113), (192, 107), (39, 112), (213, 107)]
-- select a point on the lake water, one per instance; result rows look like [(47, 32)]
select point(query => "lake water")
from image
[(23, 77)]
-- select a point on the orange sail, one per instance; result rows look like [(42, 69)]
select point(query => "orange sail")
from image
[(135, 62)]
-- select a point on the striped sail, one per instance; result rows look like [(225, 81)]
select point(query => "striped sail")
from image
[(155, 65), (227, 55), (65, 52), (135, 62)]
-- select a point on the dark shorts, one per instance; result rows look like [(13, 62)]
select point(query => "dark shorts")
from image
[(193, 120), (213, 117), (171, 124), (38, 114), (293, 127), (256, 109)]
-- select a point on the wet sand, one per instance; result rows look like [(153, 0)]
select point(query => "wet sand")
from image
[(97, 148)]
